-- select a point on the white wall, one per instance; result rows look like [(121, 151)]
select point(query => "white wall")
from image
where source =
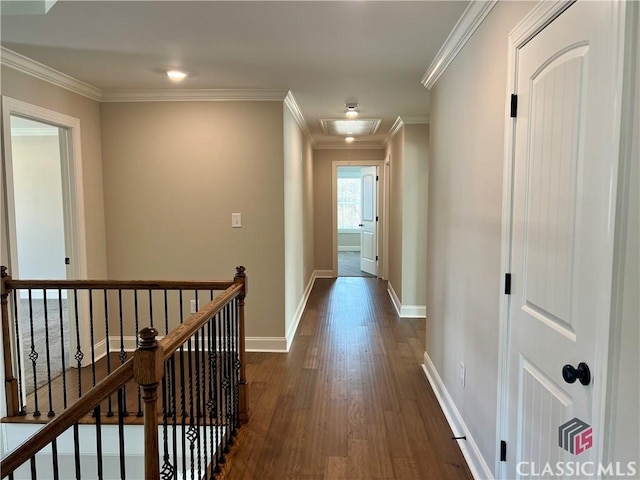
[(298, 227), (37, 187)]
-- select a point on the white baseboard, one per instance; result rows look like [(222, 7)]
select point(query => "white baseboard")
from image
[(479, 468), (291, 333), (324, 274), (406, 311), (266, 344), (348, 248)]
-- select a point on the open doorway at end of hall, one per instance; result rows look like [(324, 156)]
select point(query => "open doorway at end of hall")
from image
[(356, 206)]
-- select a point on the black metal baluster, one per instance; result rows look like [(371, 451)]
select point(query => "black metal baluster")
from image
[(76, 450), (93, 340), (107, 345), (236, 366), (228, 368), (122, 406), (123, 354), (197, 375), (136, 318), (183, 401), (174, 409), (151, 307), (210, 402), (78, 356), (219, 378), (54, 455), (166, 313), (34, 473), (203, 396), (96, 414), (62, 351), (192, 432), (47, 348), (166, 472), (33, 356), (16, 299)]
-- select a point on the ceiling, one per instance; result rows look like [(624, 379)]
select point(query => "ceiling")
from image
[(373, 53)]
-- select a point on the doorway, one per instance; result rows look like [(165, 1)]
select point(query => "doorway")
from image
[(357, 219), (43, 220)]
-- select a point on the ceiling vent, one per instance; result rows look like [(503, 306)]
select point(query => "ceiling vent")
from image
[(357, 128)]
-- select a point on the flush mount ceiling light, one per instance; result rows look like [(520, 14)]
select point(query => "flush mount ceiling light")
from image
[(176, 75), (351, 110), (349, 139)]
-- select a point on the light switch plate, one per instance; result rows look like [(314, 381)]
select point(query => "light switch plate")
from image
[(236, 220)]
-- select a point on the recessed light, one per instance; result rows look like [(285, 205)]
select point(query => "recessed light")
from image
[(176, 75), (351, 110), (349, 139)]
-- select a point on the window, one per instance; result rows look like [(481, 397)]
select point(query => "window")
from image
[(349, 214)]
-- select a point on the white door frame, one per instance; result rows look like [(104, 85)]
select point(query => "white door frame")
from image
[(382, 201), (541, 16), (73, 191)]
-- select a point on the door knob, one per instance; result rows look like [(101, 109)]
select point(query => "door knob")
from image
[(582, 373), (361, 225)]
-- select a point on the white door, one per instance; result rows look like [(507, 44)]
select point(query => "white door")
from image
[(564, 190), (369, 224)]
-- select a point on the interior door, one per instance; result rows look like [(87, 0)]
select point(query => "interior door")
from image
[(564, 194), (369, 224)]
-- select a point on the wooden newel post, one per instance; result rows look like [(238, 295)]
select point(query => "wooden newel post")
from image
[(243, 414), (10, 381), (148, 369)]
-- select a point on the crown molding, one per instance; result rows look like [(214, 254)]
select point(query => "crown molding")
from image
[(398, 124), (415, 120), (292, 105), (193, 95), (468, 23), (40, 71)]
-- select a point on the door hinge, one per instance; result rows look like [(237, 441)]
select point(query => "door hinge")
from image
[(376, 218), (507, 284), (514, 105), (376, 258), (503, 451), (376, 178), (67, 261)]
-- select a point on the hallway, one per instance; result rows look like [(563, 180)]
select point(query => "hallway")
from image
[(349, 401)]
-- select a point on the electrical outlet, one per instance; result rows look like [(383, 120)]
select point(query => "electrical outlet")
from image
[(463, 374), (194, 306)]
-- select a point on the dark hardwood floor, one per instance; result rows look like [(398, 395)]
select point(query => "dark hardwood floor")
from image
[(349, 401)]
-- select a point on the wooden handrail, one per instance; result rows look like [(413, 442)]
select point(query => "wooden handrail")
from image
[(118, 284), (40, 439), (146, 366)]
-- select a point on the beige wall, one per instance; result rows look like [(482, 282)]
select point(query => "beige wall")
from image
[(464, 221), (173, 174), (322, 201), (395, 152), (42, 94), (298, 217)]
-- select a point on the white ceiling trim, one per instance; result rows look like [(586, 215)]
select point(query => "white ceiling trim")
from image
[(292, 105), (468, 23), (398, 124), (415, 120), (38, 70), (193, 95)]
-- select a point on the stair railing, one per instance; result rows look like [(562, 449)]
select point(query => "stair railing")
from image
[(192, 381)]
